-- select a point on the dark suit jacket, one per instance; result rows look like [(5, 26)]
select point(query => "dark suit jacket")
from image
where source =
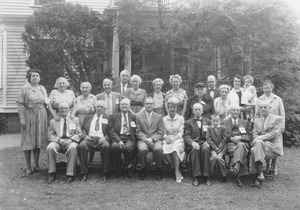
[(117, 87), (216, 138), (208, 107), (192, 133), (154, 129), (116, 120), (241, 123), (216, 95), (107, 129), (116, 99)]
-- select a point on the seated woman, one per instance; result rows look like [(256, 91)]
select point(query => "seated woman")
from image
[(158, 97), (136, 95), (173, 144), (222, 104)]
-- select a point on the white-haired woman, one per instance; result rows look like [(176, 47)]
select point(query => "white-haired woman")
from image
[(177, 92), (158, 97), (135, 94), (85, 103), (62, 94), (173, 144), (222, 103)]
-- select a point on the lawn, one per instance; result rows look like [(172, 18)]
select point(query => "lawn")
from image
[(33, 192)]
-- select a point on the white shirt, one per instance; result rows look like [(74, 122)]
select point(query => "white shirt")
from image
[(265, 120), (92, 131), (235, 120), (108, 112), (198, 122), (211, 92), (62, 120), (125, 88), (122, 123), (149, 115)]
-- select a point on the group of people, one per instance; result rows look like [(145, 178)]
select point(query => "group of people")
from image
[(125, 119)]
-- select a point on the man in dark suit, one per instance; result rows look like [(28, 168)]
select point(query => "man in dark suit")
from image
[(196, 146), (200, 97), (124, 124), (238, 138), (150, 131), (212, 89), (122, 86), (97, 134)]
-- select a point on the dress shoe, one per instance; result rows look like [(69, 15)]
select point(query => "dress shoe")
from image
[(70, 179), (207, 182), (234, 172), (158, 174), (261, 177), (51, 178), (142, 176), (129, 172), (83, 177), (255, 184), (105, 178), (224, 179), (195, 182), (239, 183)]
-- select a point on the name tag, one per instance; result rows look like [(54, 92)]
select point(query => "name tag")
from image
[(72, 126), (104, 121), (205, 128), (47, 101), (117, 101), (132, 124), (242, 130)]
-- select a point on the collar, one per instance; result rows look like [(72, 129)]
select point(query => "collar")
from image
[(218, 126), (110, 94), (124, 85), (271, 96), (170, 119), (147, 113), (96, 115), (232, 120), (198, 119), (212, 89)]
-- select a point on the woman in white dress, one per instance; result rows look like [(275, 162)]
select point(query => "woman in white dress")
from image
[(173, 144), (222, 104)]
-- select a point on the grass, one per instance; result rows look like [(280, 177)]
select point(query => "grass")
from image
[(34, 193)]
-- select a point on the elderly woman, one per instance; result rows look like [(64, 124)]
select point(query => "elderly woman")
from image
[(62, 94), (178, 93), (276, 107), (222, 103), (135, 94), (32, 106), (85, 103), (158, 97), (173, 144)]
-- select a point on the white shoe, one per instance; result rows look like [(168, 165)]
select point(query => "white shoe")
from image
[(178, 181)]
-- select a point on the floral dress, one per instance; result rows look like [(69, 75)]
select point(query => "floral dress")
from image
[(57, 97), (136, 98), (84, 107), (180, 95)]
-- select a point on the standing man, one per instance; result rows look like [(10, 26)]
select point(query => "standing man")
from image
[(238, 137), (196, 146), (124, 83), (200, 97), (63, 135), (111, 99), (212, 89), (124, 124), (97, 134), (267, 143), (150, 131)]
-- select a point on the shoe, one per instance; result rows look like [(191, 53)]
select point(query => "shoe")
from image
[(129, 172), (239, 183), (36, 169), (105, 177), (234, 172), (51, 178), (195, 182), (275, 172), (158, 174), (261, 177), (207, 182), (70, 179), (255, 184), (178, 181), (224, 179), (142, 176), (83, 177)]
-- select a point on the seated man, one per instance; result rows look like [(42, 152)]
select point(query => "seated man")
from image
[(124, 124), (97, 133), (196, 146), (216, 138), (267, 143), (150, 131), (238, 137), (64, 136)]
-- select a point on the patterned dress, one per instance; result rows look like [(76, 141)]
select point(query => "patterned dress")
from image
[(136, 98), (83, 107), (35, 116), (180, 95), (57, 97)]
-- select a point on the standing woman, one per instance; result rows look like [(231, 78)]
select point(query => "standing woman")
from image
[(32, 106), (235, 94), (222, 104), (85, 103), (158, 97), (62, 94), (178, 93), (135, 94)]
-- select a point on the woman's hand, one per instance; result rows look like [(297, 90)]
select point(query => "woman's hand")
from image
[(57, 118), (23, 124)]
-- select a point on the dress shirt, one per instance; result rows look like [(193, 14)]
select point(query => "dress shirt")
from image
[(92, 131), (108, 112), (122, 123), (198, 121), (125, 88), (212, 92), (149, 115), (235, 121)]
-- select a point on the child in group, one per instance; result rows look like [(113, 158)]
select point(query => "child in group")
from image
[(249, 97), (216, 138)]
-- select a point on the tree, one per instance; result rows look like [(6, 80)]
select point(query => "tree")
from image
[(65, 39)]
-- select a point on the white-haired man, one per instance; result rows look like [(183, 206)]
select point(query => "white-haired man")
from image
[(124, 83)]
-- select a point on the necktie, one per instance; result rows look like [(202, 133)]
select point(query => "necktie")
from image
[(264, 121), (125, 125), (65, 129), (235, 122), (198, 121), (97, 124), (149, 117), (108, 107), (123, 89)]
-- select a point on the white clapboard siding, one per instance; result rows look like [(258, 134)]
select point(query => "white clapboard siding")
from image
[(97, 5)]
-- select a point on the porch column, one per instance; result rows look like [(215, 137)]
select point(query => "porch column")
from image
[(115, 52), (127, 57)]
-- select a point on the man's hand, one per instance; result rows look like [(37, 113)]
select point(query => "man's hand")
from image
[(22, 122), (235, 139), (121, 144), (87, 138), (149, 140), (218, 151), (195, 145)]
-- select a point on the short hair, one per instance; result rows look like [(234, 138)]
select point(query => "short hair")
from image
[(59, 79), (157, 80), (100, 102), (197, 104), (263, 103), (210, 76), (235, 106), (63, 104), (176, 76), (124, 71), (226, 87), (268, 82), (136, 77), (173, 100), (87, 84), (30, 71), (215, 116), (125, 100), (107, 80), (249, 77), (236, 77)]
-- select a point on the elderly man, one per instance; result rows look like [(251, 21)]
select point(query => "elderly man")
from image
[(267, 143), (238, 137), (200, 97), (111, 99), (212, 89), (124, 82), (63, 135), (150, 131), (97, 134), (196, 146), (124, 124)]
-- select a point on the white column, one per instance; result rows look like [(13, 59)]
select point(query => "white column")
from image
[(127, 57), (115, 52)]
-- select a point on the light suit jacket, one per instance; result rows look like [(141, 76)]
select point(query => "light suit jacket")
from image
[(116, 99)]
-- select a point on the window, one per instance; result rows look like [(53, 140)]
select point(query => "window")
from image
[(42, 2)]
